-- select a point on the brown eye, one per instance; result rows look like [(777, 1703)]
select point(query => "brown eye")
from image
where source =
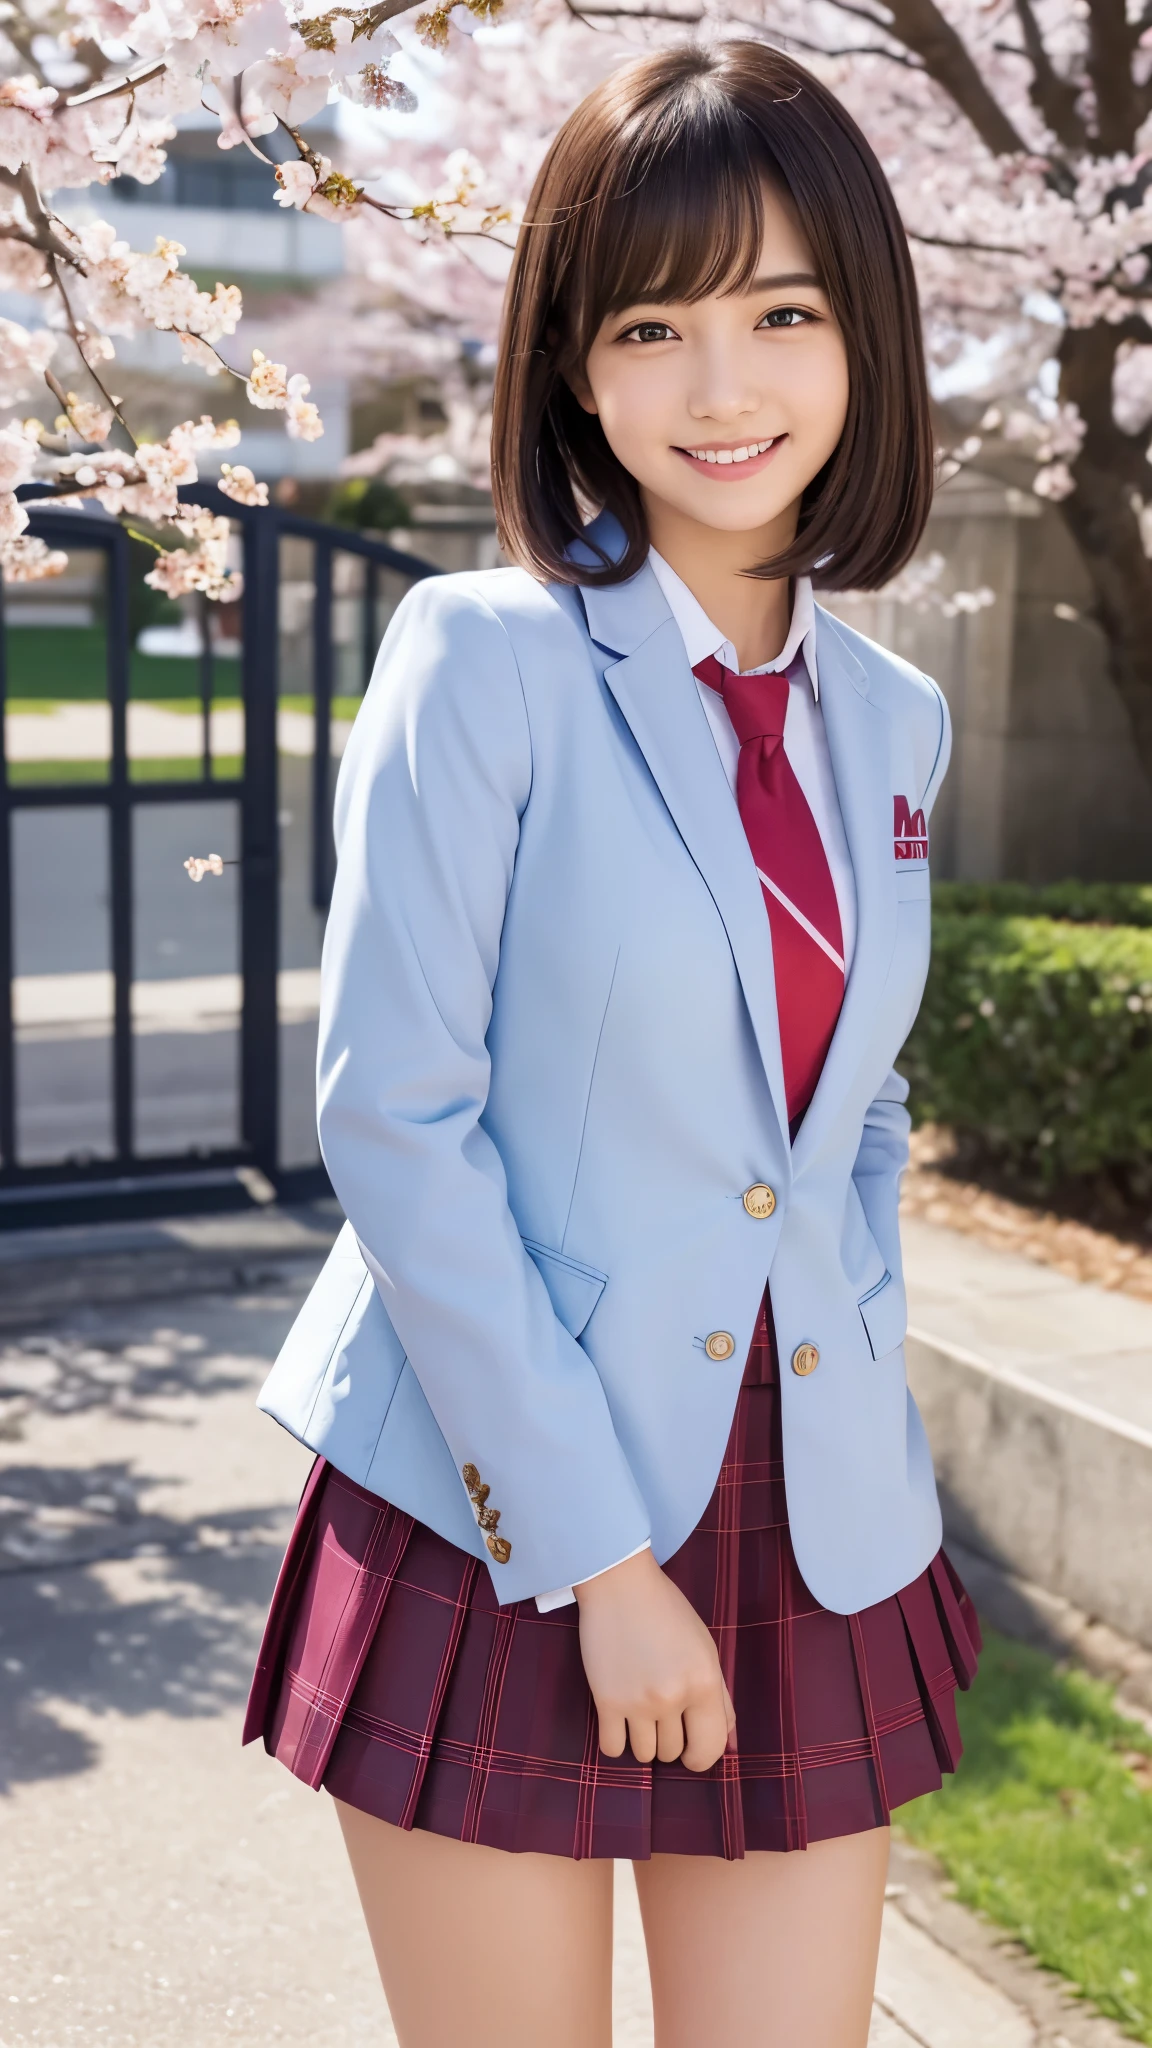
[(785, 316), (648, 330)]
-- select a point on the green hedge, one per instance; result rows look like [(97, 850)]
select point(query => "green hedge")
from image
[(1035, 1037), (1073, 902)]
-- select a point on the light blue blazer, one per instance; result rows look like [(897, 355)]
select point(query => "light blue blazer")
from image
[(549, 1070)]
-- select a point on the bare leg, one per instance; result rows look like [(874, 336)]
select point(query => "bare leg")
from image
[(474, 1945), (771, 1952)]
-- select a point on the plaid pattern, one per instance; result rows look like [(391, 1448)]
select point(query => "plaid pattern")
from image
[(389, 1675)]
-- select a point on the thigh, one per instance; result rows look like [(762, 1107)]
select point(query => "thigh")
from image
[(477, 1945), (768, 1952)]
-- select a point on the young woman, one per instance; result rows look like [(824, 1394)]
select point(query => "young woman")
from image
[(623, 1537)]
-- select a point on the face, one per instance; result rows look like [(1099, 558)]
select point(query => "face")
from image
[(725, 410)]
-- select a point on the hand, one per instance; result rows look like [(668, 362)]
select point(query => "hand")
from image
[(652, 1667)]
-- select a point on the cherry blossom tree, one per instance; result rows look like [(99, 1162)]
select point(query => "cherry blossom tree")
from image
[(1018, 134), (1018, 137), (89, 91)]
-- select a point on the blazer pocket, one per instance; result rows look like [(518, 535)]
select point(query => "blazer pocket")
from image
[(913, 885), (884, 1313), (573, 1289)]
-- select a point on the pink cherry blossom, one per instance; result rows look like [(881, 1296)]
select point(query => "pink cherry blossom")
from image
[(297, 182)]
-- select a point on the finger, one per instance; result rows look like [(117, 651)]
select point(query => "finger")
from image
[(642, 1736), (613, 1730), (670, 1738), (706, 1733)]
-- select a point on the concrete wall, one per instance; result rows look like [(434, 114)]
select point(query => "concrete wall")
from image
[(1044, 780)]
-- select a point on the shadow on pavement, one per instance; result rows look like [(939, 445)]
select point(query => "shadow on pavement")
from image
[(144, 1508), (70, 1372), (170, 1629)]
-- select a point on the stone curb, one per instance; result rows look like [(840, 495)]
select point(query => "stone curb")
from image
[(918, 1886), (45, 1274), (1049, 1485), (1058, 2018), (1030, 1614)]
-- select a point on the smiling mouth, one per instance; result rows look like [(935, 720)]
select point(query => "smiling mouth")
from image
[(732, 460)]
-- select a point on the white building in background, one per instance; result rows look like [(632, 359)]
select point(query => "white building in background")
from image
[(221, 205)]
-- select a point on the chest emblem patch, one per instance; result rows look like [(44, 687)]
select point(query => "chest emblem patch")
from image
[(910, 833)]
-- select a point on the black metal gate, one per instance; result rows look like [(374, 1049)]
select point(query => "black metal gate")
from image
[(118, 1173)]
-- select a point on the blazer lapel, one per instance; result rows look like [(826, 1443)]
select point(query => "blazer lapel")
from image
[(656, 692), (858, 743)]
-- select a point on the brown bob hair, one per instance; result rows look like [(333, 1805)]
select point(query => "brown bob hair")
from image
[(652, 190)]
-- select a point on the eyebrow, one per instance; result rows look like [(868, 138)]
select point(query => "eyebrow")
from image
[(786, 277)]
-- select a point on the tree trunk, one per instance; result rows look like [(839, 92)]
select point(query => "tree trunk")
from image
[(1099, 514)]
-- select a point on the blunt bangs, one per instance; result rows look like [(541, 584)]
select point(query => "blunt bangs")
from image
[(652, 190), (700, 173)]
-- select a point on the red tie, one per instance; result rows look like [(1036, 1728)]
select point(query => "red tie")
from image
[(807, 942)]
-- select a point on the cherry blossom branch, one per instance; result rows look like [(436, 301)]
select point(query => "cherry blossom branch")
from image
[(862, 14), (108, 89), (923, 30), (892, 56), (426, 211), (41, 232), (112, 403), (607, 12), (977, 248)]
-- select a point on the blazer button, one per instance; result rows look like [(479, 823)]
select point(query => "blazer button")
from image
[(759, 1200), (500, 1547), (805, 1359), (720, 1344)]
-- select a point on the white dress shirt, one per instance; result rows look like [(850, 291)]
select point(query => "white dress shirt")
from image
[(806, 745)]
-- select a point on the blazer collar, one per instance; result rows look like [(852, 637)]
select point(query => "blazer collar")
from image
[(620, 615), (648, 674)]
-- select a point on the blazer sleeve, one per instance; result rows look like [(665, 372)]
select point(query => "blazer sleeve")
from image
[(436, 776), (880, 1162)]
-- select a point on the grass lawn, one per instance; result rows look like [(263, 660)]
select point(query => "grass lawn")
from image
[(50, 665), (183, 768), (66, 664), (1047, 1826)]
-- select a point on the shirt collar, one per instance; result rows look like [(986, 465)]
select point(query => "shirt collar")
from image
[(701, 638)]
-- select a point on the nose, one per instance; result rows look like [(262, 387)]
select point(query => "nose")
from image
[(721, 389)]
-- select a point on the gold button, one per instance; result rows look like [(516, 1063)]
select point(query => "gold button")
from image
[(805, 1359), (720, 1344), (759, 1200), (500, 1547)]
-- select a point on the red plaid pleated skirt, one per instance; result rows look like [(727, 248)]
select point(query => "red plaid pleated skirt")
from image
[(389, 1674)]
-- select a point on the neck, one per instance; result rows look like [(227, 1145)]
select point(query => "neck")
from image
[(752, 614)]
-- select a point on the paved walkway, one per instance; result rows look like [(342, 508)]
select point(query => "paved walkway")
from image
[(1086, 1345), (83, 732), (162, 1888)]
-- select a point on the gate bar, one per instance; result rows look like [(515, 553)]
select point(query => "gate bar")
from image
[(117, 645)]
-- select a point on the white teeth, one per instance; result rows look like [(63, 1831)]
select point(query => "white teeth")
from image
[(728, 455)]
